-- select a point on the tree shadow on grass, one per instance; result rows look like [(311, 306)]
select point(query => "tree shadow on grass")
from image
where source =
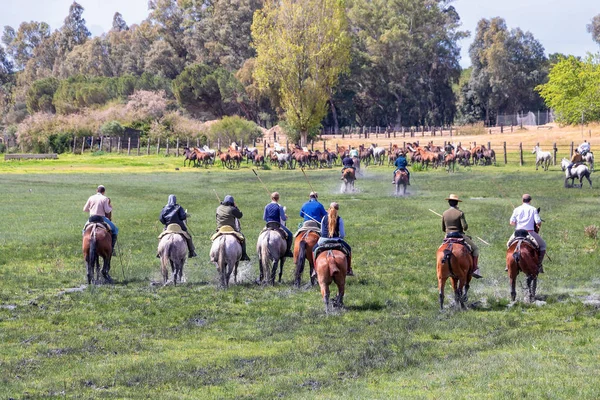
[(368, 306)]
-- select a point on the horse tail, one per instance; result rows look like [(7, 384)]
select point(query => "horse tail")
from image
[(93, 255), (331, 264), (517, 255), (448, 258), (301, 258)]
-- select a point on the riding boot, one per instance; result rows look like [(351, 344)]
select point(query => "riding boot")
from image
[(349, 272), (290, 243), (476, 273), (408, 183), (244, 254), (191, 248), (541, 259), (114, 242)]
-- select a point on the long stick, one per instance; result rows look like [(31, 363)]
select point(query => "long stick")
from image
[(260, 180), (217, 195), (311, 187), (439, 215)]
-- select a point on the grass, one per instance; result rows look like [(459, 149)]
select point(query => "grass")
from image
[(137, 340)]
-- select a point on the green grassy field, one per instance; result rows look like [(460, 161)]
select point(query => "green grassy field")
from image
[(138, 340)]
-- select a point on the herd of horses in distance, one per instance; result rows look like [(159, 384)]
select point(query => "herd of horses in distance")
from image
[(454, 261)]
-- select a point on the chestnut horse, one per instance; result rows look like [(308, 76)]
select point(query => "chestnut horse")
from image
[(331, 266), (401, 179), (454, 261), (521, 256), (97, 242), (304, 244), (348, 177)]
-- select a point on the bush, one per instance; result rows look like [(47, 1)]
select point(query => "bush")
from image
[(60, 143), (2, 148), (235, 129), (112, 128)]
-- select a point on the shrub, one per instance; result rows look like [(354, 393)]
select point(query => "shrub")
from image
[(235, 129), (112, 128), (591, 231)]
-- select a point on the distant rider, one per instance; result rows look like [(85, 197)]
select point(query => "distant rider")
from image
[(526, 217), (584, 148), (312, 210), (454, 223), (227, 215), (401, 165), (100, 209), (173, 213), (274, 213), (348, 162)]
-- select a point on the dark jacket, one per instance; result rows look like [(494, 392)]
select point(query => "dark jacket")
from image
[(401, 162), (453, 220), (173, 215), (227, 214), (325, 227), (348, 162), (274, 213)]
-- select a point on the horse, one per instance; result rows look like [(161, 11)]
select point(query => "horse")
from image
[(521, 256), (542, 158), (97, 242), (577, 171), (271, 248), (332, 266), (378, 153), (304, 244), (348, 177), (226, 253), (401, 180), (454, 261), (190, 156), (172, 249)]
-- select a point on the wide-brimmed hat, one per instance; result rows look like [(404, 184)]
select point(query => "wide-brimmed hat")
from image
[(452, 196), (313, 194)]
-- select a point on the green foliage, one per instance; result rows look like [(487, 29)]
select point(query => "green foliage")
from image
[(573, 89), (112, 128), (235, 129), (40, 95), (60, 142), (302, 48)]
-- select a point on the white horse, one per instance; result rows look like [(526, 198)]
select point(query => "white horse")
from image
[(378, 154), (172, 249), (580, 171), (283, 159), (210, 151), (271, 249), (226, 252), (542, 158)]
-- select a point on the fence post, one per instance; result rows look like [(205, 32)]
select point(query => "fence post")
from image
[(555, 150), (501, 128), (158, 146), (187, 142), (489, 145), (148, 147), (511, 127), (197, 142), (138, 145), (177, 150), (83, 145), (337, 148), (219, 143), (521, 153), (450, 130), (167, 146), (571, 150), (505, 160), (74, 144), (110, 145), (129, 146), (100, 145), (119, 146)]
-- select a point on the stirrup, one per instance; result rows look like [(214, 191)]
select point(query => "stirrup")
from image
[(476, 275), (540, 269)]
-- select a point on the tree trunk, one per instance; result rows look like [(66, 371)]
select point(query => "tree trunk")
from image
[(336, 126), (303, 138)]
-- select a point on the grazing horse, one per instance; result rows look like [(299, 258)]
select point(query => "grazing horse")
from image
[(331, 266), (172, 249), (542, 158), (521, 256), (226, 253), (454, 261), (97, 242), (349, 178), (304, 244), (271, 248), (577, 171), (401, 180)]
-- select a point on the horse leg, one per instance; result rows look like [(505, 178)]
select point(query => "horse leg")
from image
[(513, 290), (235, 271), (441, 284), (466, 293), (533, 288), (274, 272), (325, 294), (281, 268), (260, 270)]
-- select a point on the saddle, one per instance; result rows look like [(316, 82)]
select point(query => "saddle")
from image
[(523, 235), (274, 226), (98, 221), (458, 238), (330, 244), (174, 228), (309, 226), (227, 230)]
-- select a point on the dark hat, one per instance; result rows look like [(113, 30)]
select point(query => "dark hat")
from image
[(228, 199)]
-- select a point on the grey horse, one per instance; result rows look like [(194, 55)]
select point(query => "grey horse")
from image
[(580, 171), (271, 249), (172, 250), (226, 252)]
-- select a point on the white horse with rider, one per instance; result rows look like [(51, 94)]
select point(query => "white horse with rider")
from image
[(579, 171), (542, 158)]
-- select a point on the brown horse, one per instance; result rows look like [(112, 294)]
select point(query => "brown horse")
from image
[(331, 266), (97, 242), (521, 256), (348, 177), (304, 244), (401, 180), (454, 261)]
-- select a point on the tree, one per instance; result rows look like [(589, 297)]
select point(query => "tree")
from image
[(119, 24), (74, 31), (162, 59), (40, 95), (169, 17), (112, 128), (594, 28), (302, 48), (20, 45)]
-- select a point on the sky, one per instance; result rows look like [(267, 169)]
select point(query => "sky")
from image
[(560, 25)]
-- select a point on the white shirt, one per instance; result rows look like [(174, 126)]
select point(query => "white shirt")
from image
[(525, 216), (98, 205), (585, 146)]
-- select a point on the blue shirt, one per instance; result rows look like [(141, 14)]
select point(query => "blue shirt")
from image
[(312, 210), (274, 213), (401, 162)]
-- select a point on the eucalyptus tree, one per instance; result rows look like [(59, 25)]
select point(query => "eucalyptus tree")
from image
[(21, 44)]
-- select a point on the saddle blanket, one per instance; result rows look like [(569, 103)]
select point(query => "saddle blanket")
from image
[(227, 230), (174, 228), (530, 239), (101, 225), (334, 245), (309, 226), (456, 240), (273, 228)]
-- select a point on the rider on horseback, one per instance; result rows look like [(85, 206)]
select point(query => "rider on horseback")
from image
[(576, 159), (275, 214), (584, 148), (173, 213), (227, 215), (312, 210), (348, 162), (526, 217), (332, 230), (455, 225), (100, 210), (401, 165)]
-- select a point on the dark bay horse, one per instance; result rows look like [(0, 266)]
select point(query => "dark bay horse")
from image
[(97, 242), (348, 177), (401, 180), (521, 256), (454, 261), (303, 250), (331, 266)]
